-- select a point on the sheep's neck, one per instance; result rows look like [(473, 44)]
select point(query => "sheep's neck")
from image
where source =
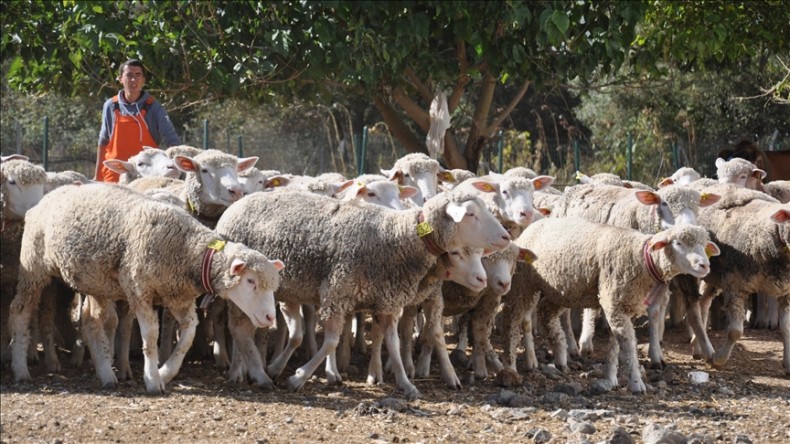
[(425, 232), (655, 273)]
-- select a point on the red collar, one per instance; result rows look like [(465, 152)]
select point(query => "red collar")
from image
[(425, 231), (205, 272), (650, 265)]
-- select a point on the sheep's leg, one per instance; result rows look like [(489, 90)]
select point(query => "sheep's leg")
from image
[(482, 325), (293, 318), (166, 336), (406, 327), (310, 342), (24, 304), (333, 327), (262, 343), (375, 371), (125, 325), (187, 322), (570, 337), (735, 311), (623, 330), (389, 324), (551, 316), (432, 307), (246, 355), (78, 349), (772, 307), (46, 324), (360, 346), (219, 319), (433, 340), (280, 334), (149, 331), (459, 353), (586, 346), (98, 314), (517, 321), (784, 326), (344, 348), (656, 316)]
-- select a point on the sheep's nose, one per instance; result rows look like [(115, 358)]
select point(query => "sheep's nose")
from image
[(504, 285), (236, 193), (481, 279), (270, 318), (525, 214)]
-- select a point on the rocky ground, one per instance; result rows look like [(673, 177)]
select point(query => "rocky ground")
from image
[(747, 401)]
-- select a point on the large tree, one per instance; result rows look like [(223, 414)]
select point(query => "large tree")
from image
[(394, 54)]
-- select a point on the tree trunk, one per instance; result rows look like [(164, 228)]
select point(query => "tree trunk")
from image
[(399, 130)]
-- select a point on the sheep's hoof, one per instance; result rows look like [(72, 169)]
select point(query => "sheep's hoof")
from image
[(658, 365), (110, 385), (638, 388), (295, 383), (459, 358), (411, 393), (266, 386)]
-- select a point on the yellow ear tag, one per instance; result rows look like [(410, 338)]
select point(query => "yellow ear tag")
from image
[(276, 182), (360, 184), (191, 206), (579, 175), (216, 244), (424, 229), (526, 257)]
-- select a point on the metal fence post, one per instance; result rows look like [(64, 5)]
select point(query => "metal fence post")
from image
[(629, 155), (361, 168), (241, 146), (45, 147), (205, 134), (499, 148), (576, 155)]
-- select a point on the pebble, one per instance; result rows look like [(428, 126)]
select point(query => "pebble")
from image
[(572, 389), (620, 436), (655, 434), (600, 386), (551, 372), (585, 428)]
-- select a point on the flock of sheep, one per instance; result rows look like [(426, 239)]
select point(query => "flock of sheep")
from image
[(408, 247)]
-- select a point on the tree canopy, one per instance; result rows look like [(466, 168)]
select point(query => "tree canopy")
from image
[(394, 55)]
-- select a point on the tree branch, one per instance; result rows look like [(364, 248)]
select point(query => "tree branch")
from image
[(510, 106), (412, 109), (422, 89), (399, 129)]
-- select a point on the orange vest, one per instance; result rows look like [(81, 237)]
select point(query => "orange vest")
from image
[(129, 135)]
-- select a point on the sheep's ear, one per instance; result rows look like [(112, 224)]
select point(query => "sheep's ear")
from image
[(759, 174), (647, 197), (361, 188), (340, 186), (276, 181), (781, 216), (708, 199), (446, 176), (666, 182), (246, 163), (393, 175), (542, 182), (627, 185), (119, 166), (581, 177), (720, 162), (486, 187), (455, 211), (712, 249), (406, 191), (526, 255), (658, 244), (148, 148), (185, 164), (237, 267), (278, 264), (544, 211)]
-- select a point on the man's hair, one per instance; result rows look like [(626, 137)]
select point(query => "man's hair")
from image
[(132, 62)]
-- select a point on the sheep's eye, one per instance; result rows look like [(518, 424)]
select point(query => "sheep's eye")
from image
[(455, 253), (505, 192), (406, 175), (11, 182), (251, 281), (371, 194)]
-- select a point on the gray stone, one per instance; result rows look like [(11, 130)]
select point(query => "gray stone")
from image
[(554, 397), (560, 413), (551, 372), (572, 389), (701, 439), (742, 439), (620, 436), (656, 434), (600, 386), (584, 428), (398, 405)]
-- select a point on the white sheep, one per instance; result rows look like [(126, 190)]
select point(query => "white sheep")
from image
[(66, 236), (378, 190), (347, 256), (254, 180), (643, 210), (420, 171), (60, 178), (683, 176), (150, 162), (585, 264), (21, 188), (753, 233), (451, 178), (456, 300)]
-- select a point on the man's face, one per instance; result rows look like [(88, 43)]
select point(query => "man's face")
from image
[(132, 80)]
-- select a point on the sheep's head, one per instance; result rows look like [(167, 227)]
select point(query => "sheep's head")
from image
[(688, 249), (419, 171), (22, 187), (212, 176)]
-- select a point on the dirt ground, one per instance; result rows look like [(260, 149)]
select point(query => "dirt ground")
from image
[(747, 401)]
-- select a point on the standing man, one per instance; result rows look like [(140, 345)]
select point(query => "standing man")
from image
[(130, 120)]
